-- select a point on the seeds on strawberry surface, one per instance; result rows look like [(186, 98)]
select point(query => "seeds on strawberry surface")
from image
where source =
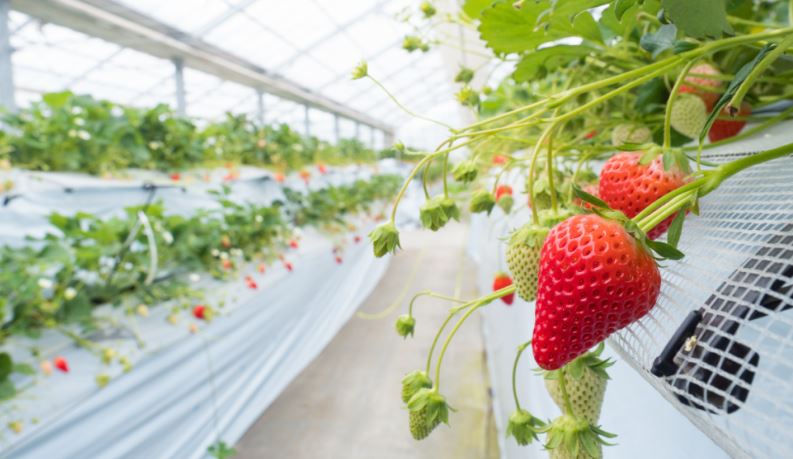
[(622, 284)]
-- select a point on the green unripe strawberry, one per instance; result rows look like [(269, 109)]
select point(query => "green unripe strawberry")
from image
[(420, 428), (689, 115), (571, 437), (630, 133), (523, 259), (585, 379)]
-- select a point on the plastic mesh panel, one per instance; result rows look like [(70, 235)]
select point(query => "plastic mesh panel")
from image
[(735, 382)]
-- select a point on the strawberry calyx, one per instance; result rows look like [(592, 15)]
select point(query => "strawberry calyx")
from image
[(482, 201), (590, 360), (530, 234), (523, 427), (575, 437), (432, 403), (385, 239), (405, 324), (413, 382)]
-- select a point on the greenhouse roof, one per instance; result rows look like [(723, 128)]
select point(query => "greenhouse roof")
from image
[(311, 44)]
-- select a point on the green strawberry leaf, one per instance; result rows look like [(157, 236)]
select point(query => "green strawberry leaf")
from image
[(621, 6), (473, 8), (586, 197), (547, 59), (732, 88), (585, 25), (681, 46), (676, 229), (659, 41), (6, 365), (24, 368), (700, 18)]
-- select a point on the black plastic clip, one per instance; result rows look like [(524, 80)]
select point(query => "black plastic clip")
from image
[(664, 364)]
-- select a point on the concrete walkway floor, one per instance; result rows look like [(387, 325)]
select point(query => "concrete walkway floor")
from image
[(346, 404)]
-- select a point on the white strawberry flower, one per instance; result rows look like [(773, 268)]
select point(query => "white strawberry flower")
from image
[(195, 277), (69, 294), (84, 135), (259, 219), (167, 237), (224, 255), (45, 284), (215, 253)]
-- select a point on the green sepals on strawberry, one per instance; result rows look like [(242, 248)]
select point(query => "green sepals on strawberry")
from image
[(450, 209), (465, 75), (569, 437), (465, 171), (385, 239), (405, 325), (482, 201), (586, 379), (523, 427), (432, 214), (428, 409), (413, 382)]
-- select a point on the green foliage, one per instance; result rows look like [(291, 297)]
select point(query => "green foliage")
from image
[(68, 132), (699, 19)]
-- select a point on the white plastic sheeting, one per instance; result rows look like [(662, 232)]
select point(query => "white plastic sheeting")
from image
[(188, 390)]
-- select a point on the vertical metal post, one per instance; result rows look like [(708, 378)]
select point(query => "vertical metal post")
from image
[(6, 71), (307, 120), (260, 106), (357, 131), (371, 137), (181, 99), (336, 128)]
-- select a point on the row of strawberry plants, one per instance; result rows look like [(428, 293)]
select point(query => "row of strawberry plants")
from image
[(147, 257), (628, 83), (69, 132)]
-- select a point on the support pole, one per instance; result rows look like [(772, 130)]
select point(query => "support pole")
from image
[(260, 107), (181, 100), (357, 131), (307, 120), (337, 128), (371, 137), (6, 71)]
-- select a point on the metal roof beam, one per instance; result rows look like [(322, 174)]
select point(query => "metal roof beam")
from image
[(118, 24)]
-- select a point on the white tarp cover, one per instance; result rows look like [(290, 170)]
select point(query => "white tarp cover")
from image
[(749, 213), (186, 390)]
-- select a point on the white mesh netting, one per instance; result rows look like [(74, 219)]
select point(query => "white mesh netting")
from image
[(730, 292)]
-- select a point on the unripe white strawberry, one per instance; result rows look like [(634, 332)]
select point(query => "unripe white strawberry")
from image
[(689, 115), (630, 133)]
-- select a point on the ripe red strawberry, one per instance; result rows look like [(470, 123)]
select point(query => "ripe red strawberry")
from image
[(594, 279), (288, 266), (305, 175), (629, 187), (322, 168), (499, 159), (500, 281), (61, 364), (338, 260), (591, 134), (293, 244), (227, 264), (199, 311), (261, 268), (709, 97), (176, 176), (502, 190), (251, 283), (724, 129), (279, 177), (357, 239)]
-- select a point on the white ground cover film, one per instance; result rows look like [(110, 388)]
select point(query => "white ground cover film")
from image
[(731, 292), (186, 390)]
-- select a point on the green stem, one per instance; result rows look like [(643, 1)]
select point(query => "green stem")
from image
[(670, 101), (568, 407), (445, 175), (747, 133), (407, 110), (521, 348), (473, 306), (668, 209), (669, 196), (550, 168), (432, 295)]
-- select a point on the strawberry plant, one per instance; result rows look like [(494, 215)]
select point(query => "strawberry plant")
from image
[(634, 86)]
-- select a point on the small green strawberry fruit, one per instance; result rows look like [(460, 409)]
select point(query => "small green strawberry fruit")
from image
[(523, 258), (586, 380), (428, 409), (385, 239), (523, 427), (630, 133), (414, 382), (482, 201), (465, 171), (465, 75), (689, 115), (405, 325)]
